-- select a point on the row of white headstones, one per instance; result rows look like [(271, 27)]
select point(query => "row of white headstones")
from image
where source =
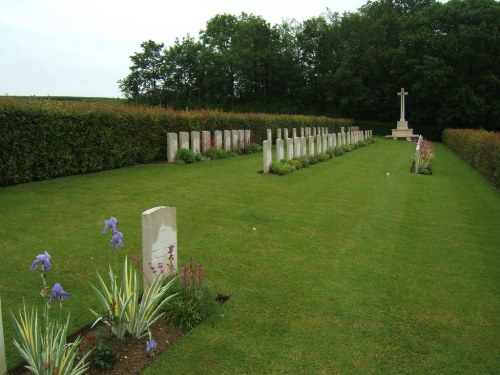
[(319, 139), (229, 140), (159, 235)]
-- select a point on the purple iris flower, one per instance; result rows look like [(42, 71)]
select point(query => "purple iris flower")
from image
[(150, 345), (110, 224), (43, 260), (58, 294), (116, 241)]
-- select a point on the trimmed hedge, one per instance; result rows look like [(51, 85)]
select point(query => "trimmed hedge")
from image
[(43, 139), (479, 148)]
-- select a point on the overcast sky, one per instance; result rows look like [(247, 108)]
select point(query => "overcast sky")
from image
[(82, 47)]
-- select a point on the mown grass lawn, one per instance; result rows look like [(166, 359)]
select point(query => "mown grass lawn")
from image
[(349, 271)]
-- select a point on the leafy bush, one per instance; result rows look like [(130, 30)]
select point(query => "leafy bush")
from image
[(296, 163), (304, 160), (330, 152), (313, 160), (281, 167), (479, 148), (186, 155), (339, 151), (124, 311), (322, 157), (217, 153)]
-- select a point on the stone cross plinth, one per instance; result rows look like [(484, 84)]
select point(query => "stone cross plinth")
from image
[(402, 131), (159, 243)]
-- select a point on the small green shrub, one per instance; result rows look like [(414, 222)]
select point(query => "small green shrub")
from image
[(103, 356), (281, 167), (180, 162), (217, 153), (322, 157), (331, 152), (186, 155), (339, 151), (296, 163), (313, 160), (304, 160), (251, 149)]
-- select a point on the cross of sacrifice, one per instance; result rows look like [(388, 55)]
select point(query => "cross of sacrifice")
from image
[(402, 94)]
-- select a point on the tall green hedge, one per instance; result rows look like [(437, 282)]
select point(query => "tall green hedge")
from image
[(42, 139), (480, 148)]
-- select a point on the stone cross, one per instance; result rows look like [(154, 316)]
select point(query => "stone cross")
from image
[(159, 243), (402, 94)]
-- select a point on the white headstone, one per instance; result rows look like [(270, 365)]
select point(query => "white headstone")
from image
[(227, 140), (3, 360), (296, 147), (278, 133), (195, 142), (319, 144), (285, 133), (348, 135), (218, 139), (314, 132), (270, 136), (303, 147), (339, 140), (324, 145), (280, 149), (248, 137), (266, 155), (329, 138), (172, 146), (294, 133), (302, 134), (311, 145), (241, 138), (206, 141), (159, 243), (235, 136), (289, 148), (184, 140)]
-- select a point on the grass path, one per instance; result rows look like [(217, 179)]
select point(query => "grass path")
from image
[(349, 271)]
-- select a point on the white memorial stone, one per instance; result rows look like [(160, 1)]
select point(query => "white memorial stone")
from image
[(266, 155), (314, 132), (248, 137), (172, 146), (241, 138), (289, 148), (159, 243), (235, 136), (285, 133), (311, 145), (3, 359), (218, 139), (302, 134), (296, 146), (324, 145), (227, 140), (206, 141), (294, 133), (195, 142), (280, 149), (303, 147), (319, 144), (278, 133), (184, 140), (270, 135)]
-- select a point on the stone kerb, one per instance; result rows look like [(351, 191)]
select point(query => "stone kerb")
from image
[(218, 139), (266, 156), (172, 146), (206, 141), (280, 149), (227, 140), (311, 145), (159, 243), (296, 147), (289, 148), (184, 140)]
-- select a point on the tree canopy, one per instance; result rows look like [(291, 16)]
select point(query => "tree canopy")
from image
[(446, 55)]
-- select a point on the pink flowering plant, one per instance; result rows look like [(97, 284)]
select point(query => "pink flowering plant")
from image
[(197, 298)]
